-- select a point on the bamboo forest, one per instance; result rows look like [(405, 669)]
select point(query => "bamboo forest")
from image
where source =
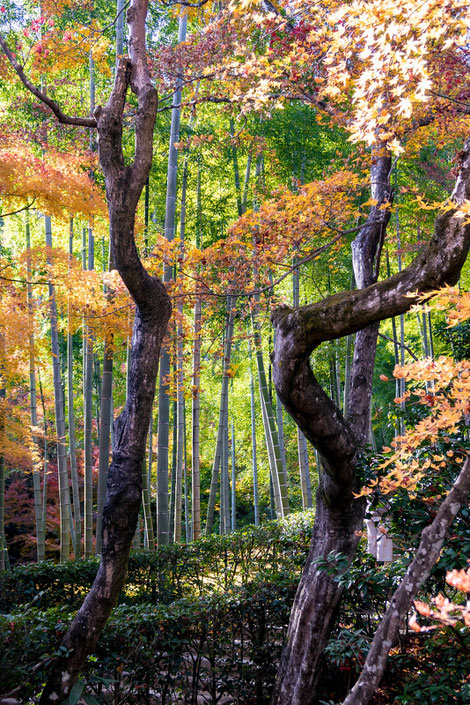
[(234, 352)]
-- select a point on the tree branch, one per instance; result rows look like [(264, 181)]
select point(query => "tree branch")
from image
[(341, 314), (299, 331), (402, 345), (20, 210), (61, 117), (418, 571)]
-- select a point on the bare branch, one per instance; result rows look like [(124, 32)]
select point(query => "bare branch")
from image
[(184, 3), (466, 106), (182, 83), (402, 345), (259, 290)]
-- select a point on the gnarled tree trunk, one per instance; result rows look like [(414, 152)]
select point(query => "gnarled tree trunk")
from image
[(124, 185), (300, 331)]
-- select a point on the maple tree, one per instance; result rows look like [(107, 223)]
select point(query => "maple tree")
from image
[(443, 611), (123, 188), (380, 80)]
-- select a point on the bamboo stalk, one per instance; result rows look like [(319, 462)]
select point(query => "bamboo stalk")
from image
[(149, 536), (174, 442), (246, 183), (3, 546), (401, 382), (305, 482), (179, 438), (253, 442), (302, 450), (195, 439), (236, 171), (87, 421), (226, 506), (180, 464), (119, 30), (46, 457), (187, 523), (234, 493), (40, 533), (271, 435), (64, 495), (105, 435), (77, 513), (223, 489), (222, 415), (196, 401), (163, 529)]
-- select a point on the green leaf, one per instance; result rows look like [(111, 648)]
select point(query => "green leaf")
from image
[(90, 700), (75, 693)]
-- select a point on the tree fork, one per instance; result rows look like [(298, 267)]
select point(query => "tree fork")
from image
[(298, 332)]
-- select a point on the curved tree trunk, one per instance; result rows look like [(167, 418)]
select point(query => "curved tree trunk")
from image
[(298, 332), (124, 185)]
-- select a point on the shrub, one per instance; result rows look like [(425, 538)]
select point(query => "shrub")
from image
[(170, 572), (220, 644)]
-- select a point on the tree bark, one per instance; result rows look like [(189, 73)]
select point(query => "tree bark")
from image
[(300, 331), (124, 185)]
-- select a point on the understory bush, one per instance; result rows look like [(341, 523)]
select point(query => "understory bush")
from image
[(211, 564), (206, 623), (224, 644)]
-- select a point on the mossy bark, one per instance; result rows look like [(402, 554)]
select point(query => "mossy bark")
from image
[(339, 441)]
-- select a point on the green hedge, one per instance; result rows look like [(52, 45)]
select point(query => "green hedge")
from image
[(208, 647), (220, 638), (209, 565)]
